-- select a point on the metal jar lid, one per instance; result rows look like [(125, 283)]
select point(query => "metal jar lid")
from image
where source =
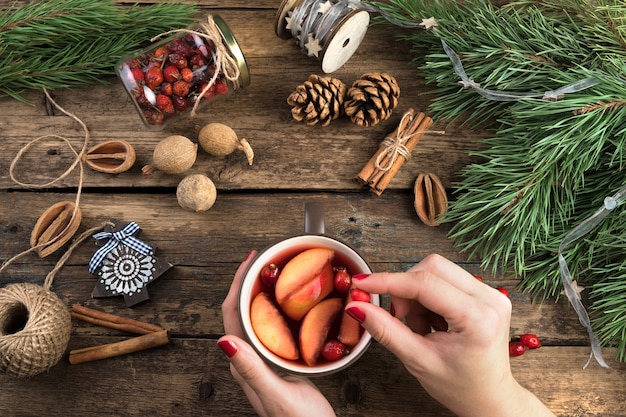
[(235, 50)]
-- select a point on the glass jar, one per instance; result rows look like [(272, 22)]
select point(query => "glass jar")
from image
[(184, 71)]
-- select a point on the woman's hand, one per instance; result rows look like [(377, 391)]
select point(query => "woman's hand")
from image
[(270, 394), (456, 341)]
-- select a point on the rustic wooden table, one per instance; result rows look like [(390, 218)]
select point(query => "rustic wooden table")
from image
[(256, 204)]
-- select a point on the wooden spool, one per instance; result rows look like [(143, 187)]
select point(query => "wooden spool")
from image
[(339, 44)]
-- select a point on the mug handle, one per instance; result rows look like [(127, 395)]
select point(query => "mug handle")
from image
[(314, 218)]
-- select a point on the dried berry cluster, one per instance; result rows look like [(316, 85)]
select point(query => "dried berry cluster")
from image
[(169, 79)]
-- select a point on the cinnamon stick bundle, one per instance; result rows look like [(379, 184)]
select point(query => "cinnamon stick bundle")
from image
[(111, 350), (151, 335), (112, 321), (394, 151)]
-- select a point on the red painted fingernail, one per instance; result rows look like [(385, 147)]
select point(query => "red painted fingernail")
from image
[(249, 255), (356, 313), (359, 277), (227, 347)]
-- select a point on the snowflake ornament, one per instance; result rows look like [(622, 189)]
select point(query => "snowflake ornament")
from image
[(124, 265)]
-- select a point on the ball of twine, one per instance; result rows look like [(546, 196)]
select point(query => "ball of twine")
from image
[(35, 328)]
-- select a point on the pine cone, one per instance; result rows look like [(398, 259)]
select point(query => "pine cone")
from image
[(318, 100), (371, 98)]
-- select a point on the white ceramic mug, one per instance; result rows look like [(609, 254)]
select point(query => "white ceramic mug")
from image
[(314, 236)]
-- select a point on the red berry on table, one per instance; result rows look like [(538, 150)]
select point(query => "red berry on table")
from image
[(516, 348), (531, 341), (153, 78), (359, 295), (342, 280), (334, 350), (269, 275), (504, 291)]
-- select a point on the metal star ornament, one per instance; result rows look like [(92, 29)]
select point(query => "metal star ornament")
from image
[(124, 265)]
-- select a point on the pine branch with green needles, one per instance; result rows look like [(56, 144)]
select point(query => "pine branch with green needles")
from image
[(68, 43), (548, 165)]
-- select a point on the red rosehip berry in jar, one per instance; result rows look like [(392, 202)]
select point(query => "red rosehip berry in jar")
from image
[(221, 87), (141, 99), (269, 275), (164, 103), (161, 52), (180, 103), (478, 278), (179, 46), (208, 94), (153, 116), (516, 348), (153, 78), (178, 60), (180, 88), (359, 295), (504, 291), (342, 280), (197, 61), (531, 341), (334, 350), (171, 73), (138, 75), (204, 50), (166, 88), (133, 64), (186, 74)]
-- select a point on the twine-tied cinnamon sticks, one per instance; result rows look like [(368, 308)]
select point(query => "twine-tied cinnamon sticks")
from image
[(151, 336), (394, 150)]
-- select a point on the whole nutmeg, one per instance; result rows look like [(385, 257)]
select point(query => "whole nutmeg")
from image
[(196, 192), (173, 155), (218, 139)]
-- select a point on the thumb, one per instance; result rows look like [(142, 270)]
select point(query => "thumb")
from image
[(390, 332), (249, 369)]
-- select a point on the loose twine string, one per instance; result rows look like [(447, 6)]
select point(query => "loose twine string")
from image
[(77, 162), (35, 325), (224, 62), (395, 145)]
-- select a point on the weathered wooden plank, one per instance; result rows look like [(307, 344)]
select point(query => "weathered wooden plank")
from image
[(190, 377), (319, 158), (206, 248)]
